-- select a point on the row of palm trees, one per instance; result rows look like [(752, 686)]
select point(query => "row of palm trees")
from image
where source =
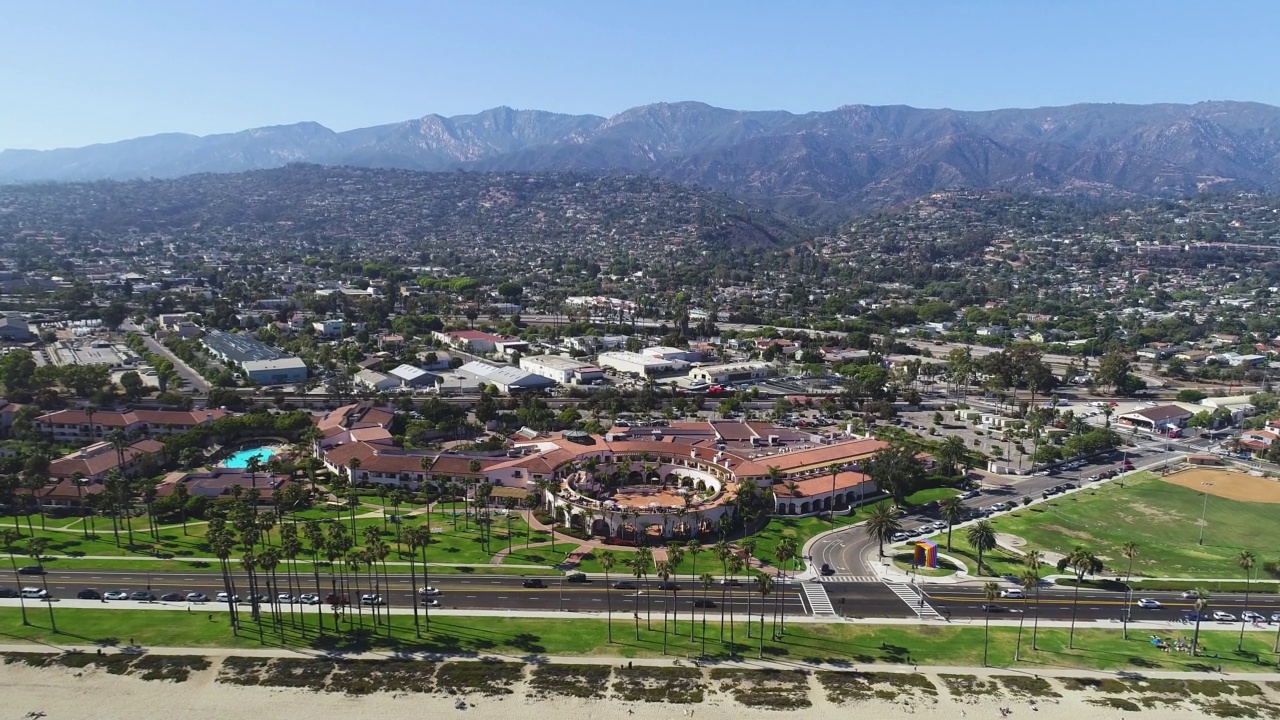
[(34, 548)]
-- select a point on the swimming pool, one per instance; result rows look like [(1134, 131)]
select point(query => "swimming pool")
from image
[(240, 458)]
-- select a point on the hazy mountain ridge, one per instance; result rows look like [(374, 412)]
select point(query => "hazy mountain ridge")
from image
[(855, 156)]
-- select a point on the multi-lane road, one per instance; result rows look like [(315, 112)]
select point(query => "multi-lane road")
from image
[(493, 592)]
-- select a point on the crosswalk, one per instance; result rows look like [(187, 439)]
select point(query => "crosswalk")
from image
[(913, 599), (816, 595), (848, 579)]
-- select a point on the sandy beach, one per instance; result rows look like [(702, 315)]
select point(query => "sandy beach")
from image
[(92, 693)]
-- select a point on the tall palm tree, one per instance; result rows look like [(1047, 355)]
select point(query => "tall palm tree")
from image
[(991, 591), (637, 570), (221, 544), (881, 525), (1246, 560), (1201, 604), (785, 552), (290, 548), (316, 544), (354, 563), (952, 511), (694, 548), (722, 551), (8, 538), (1029, 580), (663, 570), (249, 562), (735, 567), (675, 555), (982, 536), (1031, 560), (706, 581), (764, 585), (412, 538), (268, 561), (1129, 551), (608, 560), (1082, 562), (644, 561)]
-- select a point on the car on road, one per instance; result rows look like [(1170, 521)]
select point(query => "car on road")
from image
[(309, 599), (8, 593), (1188, 595), (533, 583), (704, 603), (900, 536), (731, 582), (223, 597), (993, 608), (1275, 617), (34, 593), (1251, 616), (430, 602), (171, 597), (372, 600), (336, 599), (197, 597), (1223, 616), (89, 594), (668, 585), (971, 495), (826, 569), (1015, 593), (115, 595), (624, 585), (428, 591), (31, 570), (142, 596), (577, 578), (938, 526), (284, 598), (1149, 603)]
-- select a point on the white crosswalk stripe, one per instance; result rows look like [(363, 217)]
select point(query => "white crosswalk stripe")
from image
[(848, 579), (913, 599), (817, 597)]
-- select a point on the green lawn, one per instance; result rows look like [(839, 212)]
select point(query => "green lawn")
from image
[(844, 643), (928, 495), (798, 529), (1163, 519)]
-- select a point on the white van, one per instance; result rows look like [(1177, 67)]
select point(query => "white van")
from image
[(1013, 593), (34, 593)]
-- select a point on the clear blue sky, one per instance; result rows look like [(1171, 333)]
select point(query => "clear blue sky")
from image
[(73, 73)]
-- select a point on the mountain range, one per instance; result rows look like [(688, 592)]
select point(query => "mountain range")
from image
[(816, 164)]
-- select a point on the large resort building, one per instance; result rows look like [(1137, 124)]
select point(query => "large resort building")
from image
[(657, 481)]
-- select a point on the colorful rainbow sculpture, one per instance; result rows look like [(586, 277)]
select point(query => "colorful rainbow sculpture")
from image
[(926, 554)]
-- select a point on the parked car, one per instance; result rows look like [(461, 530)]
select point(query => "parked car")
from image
[(533, 583), (826, 569), (89, 595), (1149, 603), (372, 600), (900, 536), (309, 599), (171, 597), (1251, 616), (704, 603), (197, 597), (1275, 617), (1223, 616), (31, 570), (115, 595), (8, 593), (223, 597), (284, 598), (34, 593), (577, 578), (142, 596)]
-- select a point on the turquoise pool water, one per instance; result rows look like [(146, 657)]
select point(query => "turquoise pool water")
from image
[(240, 458)]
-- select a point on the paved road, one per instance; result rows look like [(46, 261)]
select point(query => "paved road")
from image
[(457, 591), (1055, 604), (184, 371)]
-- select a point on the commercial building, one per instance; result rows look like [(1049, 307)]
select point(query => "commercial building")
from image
[(638, 364), (730, 373), (376, 381), (238, 348), (1159, 418), (564, 370), (274, 372), (15, 329), (672, 353), (414, 377), (506, 378)]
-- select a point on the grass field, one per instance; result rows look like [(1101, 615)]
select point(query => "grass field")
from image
[(851, 643), (1162, 518)]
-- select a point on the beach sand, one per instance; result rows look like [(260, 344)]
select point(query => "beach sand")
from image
[(92, 694)]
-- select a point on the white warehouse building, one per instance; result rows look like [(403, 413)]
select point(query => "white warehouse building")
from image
[(730, 373), (637, 364), (564, 370)]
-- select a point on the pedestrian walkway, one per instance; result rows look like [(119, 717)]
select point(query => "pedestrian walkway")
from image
[(816, 596), (914, 600), (847, 578)]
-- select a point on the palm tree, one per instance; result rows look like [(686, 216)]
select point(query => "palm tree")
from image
[(881, 525), (638, 570), (290, 548), (785, 552), (722, 551), (663, 570), (764, 584), (412, 537), (735, 567), (952, 511), (8, 538), (1082, 562), (354, 563), (35, 550), (221, 544), (1129, 550), (1201, 604), (694, 548), (1246, 560), (644, 560), (706, 581), (675, 555), (268, 561), (982, 536), (608, 560), (991, 591), (249, 562), (316, 544), (1031, 559), (1029, 580)]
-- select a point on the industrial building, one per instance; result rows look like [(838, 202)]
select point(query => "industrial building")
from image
[(672, 353), (730, 373), (506, 378), (260, 362), (564, 370), (275, 372), (414, 377), (637, 364)]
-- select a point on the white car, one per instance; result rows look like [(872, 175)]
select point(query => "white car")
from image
[(1189, 595), (116, 595), (1251, 616), (1013, 593), (197, 597), (431, 602), (223, 597), (900, 536), (372, 600), (429, 591), (1149, 603), (1223, 616), (284, 599), (309, 599)]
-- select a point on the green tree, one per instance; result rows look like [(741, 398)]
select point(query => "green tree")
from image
[(1245, 560), (764, 585), (608, 560), (1200, 604), (881, 525), (1081, 562), (9, 538), (982, 536), (952, 511), (895, 470), (990, 591), (36, 547), (1029, 579)]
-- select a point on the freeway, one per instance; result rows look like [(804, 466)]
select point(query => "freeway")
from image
[(456, 591), (1055, 604)]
